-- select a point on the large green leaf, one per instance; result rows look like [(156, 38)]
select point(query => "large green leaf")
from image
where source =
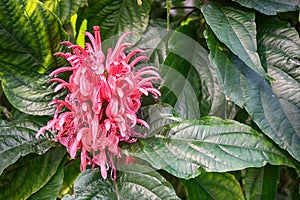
[(29, 36), (209, 186), (271, 7), (276, 117), (261, 183), (18, 139), (186, 148), (51, 189), (134, 182), (279, 47), (30, 174), (235, 26), (189, 76), (115, 17), (64, 9)]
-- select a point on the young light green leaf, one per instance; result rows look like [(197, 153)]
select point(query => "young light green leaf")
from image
[(186, 148), (30, 174), (276, 117), (117, 17), (209, 186), (261, 183), (29, 36), (18, 139), (64, 9), (235, 26), (134, 182), (271, 7)]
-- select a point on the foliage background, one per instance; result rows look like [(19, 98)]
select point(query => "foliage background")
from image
[(227, 124)]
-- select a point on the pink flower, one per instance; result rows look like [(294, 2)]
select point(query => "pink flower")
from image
[(104, 96)]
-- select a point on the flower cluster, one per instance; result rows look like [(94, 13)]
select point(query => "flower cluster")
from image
[(104, 96)]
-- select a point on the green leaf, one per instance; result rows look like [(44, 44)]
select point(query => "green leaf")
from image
[(261, 183), (18, 139), (71, 171), (29, 91), (235, 26), (158, 116), (279, 47), (276, 117), (271, 7), (64, 9), (52, 188), (29, 36), (115, 17), (209, 186), (188, 75), (30, 174), (187, 148), (134, 182), (154, 41)]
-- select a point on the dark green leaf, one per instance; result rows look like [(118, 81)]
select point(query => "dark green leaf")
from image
[(261, 183), (279, 47), (209, 186), (64, 9), (29, 92), (115, 17), (235, 26), (271, 7), (29, 36), (186, 148), (71, 171), (52, 188), (134, 182), (30, 174), (276, 117), (18, 139)]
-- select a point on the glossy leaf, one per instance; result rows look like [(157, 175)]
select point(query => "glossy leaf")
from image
[(30, 174), (29, 92), (209, 186), (29, 36), (235, 27), (186, 148), (64, 9), (134, 182), (18, 139), (271, 7), (279, 47), (261, 183), (276, 117), (115, 17)]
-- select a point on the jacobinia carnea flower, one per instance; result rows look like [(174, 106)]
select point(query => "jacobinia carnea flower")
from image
[(104, 96)]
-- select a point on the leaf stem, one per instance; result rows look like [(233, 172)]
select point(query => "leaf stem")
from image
[(117, 189)]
